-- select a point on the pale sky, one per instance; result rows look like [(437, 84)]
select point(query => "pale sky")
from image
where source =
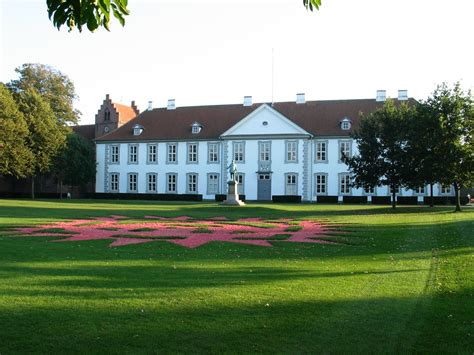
[(216, 52)]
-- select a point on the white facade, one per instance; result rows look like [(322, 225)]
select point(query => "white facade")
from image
[(274, 156)]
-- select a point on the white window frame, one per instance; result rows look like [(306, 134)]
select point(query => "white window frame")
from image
[(238, 152), (192, 153), (115, 154), (112, 182), (319, 183), (291, 151), (152, 153), (341, 144), (265, 151), (442, 190), (213, 153), (170, 182), (240, 178), (192, 183), (416, 191), (215, 184), (368, 193), (133, 153), (319, 151), (132, 182), (172, 154), (152, 183), (344, 184), (291, 187)]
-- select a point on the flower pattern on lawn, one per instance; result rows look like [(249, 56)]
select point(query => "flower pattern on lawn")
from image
[(186, 231)]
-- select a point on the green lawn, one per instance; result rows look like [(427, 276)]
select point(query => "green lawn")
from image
[(401, 281)]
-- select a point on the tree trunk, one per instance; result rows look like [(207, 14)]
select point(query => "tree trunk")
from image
[(431, 196), (457, 197), (32, 187), (394, 197), (60, 189)]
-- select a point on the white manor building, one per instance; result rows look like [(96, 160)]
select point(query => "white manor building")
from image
[(285, 148)]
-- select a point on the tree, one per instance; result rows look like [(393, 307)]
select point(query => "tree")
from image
[(15, 156), (381, 141), (96, 13), (453, 111), (45, 137), (53, 86), (75, 164)]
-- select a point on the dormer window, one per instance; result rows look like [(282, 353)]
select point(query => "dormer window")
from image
[(196, 128), (346, 124), (137, 130)]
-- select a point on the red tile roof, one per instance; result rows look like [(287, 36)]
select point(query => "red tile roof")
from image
[(126, 113), (87, 131), (320, 118)]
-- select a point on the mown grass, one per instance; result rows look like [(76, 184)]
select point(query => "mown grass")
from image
[(400, 281)]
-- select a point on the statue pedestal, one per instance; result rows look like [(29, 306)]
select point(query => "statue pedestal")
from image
[(232, 195)]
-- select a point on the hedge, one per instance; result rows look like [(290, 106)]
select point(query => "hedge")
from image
[(158, 197), (223, 197), (444, 200), (287, 198), (326, 199), (381, 200), (407, 200), (354, 199)]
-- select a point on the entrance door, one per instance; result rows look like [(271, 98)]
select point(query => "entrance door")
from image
[(264, 187)]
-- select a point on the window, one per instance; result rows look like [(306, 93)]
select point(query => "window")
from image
[(445, 189), (137, 130), (321, 151), (107, 115), (264, 151), (212, 184), (196, 128), (172, 153), (132, 182), (344, 149), (420, 190), (398, 190), (321, 184), (344, 184), (114, 182), (345, 124), (171, 182), (133, 153), (213, 152), (369, 190), (291, 185), (240, 178), (192, 153), (115, 154), (192, 183), (151, 180), (291, 151), (152, 157), (239, 152)]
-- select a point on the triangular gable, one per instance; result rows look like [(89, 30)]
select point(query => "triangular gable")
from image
[(265, 120)]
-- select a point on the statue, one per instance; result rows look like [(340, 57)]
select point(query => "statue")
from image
[(232, 170)]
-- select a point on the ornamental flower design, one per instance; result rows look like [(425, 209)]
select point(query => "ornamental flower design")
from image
[(186, 231)]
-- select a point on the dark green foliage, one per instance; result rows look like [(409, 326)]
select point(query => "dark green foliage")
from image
[(75, 164), (53, 86), (354, 199), (15, 155), (382, 143), (286, 198), (90, 13), (327, 199)]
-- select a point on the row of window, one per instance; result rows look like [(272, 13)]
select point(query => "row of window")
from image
[(213, 182), (238, 154)]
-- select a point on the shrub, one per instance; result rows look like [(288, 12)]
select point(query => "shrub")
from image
[(407, 200), (286, 198), (158, 197), (381, 200), (326, 199), (354, 199), (222, 198)]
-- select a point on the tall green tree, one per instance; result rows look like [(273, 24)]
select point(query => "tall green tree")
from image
[(53, 86), (75, 164), (15, 155), (381, 140), (45, 136), (452, 109)]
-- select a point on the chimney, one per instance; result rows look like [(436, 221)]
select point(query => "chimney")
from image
[(381, 96), (300, 99), (402, 95), (247, 100), (150, 106), (171, 104)]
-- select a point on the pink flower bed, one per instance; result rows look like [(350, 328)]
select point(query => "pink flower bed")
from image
[(184, 231)]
